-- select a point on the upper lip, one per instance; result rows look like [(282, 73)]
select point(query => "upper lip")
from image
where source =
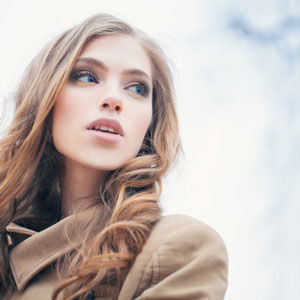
[(109, 123)]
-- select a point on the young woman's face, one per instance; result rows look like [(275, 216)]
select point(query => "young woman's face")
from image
[(104, 110)]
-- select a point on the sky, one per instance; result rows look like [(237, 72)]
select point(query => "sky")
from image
[(237, 66)]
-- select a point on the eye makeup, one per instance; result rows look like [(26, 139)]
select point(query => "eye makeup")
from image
[(83, 75), (139, 88)]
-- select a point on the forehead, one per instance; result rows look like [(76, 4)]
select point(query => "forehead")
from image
[(118, 50)]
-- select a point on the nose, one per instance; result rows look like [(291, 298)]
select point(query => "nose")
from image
[(111, 104)]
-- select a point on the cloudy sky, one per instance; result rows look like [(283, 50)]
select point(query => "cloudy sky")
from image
[(237, 70)]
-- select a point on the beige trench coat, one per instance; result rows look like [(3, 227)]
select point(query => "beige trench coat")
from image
[(183, 258)]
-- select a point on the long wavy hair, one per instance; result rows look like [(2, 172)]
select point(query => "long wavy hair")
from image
[(127, 203)]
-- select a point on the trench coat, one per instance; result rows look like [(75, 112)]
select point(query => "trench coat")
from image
[(183, 258)]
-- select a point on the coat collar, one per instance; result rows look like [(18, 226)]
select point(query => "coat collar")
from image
[(37, 250)]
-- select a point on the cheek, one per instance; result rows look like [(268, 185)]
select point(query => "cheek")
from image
[(63, 125), (141, 126), (144, 125), (68, 107)]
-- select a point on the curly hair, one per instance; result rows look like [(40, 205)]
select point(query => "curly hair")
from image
[(127, 203)]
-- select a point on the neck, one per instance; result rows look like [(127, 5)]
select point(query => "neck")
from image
[(79, 186)]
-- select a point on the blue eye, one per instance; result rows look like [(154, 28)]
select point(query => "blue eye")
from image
[(140, 89), (83, 76), (87, 78), (136, 89)]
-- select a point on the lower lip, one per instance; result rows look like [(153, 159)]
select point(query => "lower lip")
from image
[(106, 137)]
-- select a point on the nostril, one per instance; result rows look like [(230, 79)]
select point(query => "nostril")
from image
[(111, 104)]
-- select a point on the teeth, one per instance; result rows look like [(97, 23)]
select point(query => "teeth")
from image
[(104, 128)]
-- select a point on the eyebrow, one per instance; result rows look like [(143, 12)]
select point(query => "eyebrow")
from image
[(93, 61), (101, 65)]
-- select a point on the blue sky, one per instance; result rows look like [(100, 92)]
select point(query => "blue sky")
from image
[(236, 66)]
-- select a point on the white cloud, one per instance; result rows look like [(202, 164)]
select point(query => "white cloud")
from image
[(240, 119)]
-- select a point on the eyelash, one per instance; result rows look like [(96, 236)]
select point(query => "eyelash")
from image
[(142, 85), (77, 74)]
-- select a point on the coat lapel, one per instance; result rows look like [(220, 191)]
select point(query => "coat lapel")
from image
[(37, 250)]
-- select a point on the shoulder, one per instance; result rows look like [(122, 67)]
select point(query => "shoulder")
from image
[(182, 241), (183, 257), (188, 230)]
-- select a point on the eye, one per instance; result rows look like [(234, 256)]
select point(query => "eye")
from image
[(139, 88), (83, 76)]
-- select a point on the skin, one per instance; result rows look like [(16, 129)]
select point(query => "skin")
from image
[(120, 88)]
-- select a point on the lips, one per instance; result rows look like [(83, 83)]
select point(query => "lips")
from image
[(109, 126)]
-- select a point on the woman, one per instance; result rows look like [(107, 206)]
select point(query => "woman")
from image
[(94, 131)]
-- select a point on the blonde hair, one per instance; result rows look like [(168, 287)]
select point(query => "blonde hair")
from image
[(127, 205)]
